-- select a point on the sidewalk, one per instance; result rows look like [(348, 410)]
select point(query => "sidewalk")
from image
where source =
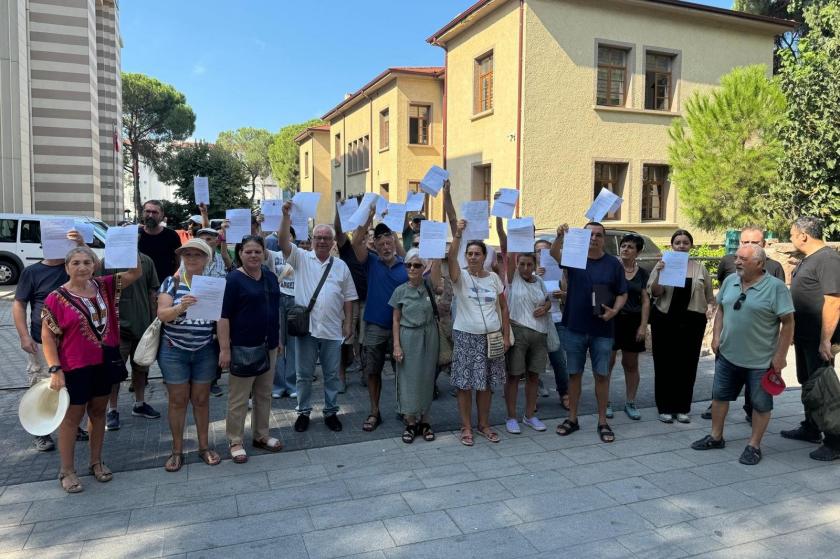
[(533, 495)]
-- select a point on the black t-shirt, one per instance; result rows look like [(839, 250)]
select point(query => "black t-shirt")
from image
[(253, 320), (815, 276), (358, 271), (727, 267), (635, 287), (161, 249), (36, 282)]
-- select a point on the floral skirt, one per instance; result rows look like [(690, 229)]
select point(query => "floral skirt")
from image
[(471, 368)]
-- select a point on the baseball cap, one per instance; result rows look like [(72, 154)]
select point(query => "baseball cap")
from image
[(196, 219), (772, 382), (207, 231), (381, 229)]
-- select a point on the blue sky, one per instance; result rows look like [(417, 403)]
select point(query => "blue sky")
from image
[(268, 63)]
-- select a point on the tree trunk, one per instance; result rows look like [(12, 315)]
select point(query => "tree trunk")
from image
[(253, 188), (135, 173)]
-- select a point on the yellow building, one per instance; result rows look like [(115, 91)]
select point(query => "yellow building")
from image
[(314, 146), (559, 98), (385, 136)]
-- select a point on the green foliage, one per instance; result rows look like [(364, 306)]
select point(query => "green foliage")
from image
[(810, 170), (250, 146), (783, 9), (226, 177), (284, 155), (155, 114), (714, 254), (726, 151), (176, 212)]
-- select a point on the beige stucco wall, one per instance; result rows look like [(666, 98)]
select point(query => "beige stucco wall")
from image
[(318, 178), (563, 132)]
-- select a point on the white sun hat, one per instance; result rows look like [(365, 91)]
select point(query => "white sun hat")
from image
[(42, 409)]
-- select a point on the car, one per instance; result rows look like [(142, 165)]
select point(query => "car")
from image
[(647, 259), (20, 241)]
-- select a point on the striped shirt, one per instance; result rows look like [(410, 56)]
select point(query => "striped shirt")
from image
[(184, 333), (216, 267)]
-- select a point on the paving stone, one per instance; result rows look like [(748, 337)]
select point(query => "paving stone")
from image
[(678, 481), (299, 475), (177, 514), (34, 491), (643, 542), (630, 490), (470, 493), (13, 538), (588, 454), (708, 502), (338, 542), (269, 462), (395, 482), (628, 448), (559, 503), (608, 549), (442, 457), (660, 512), (375, 467), (68, 530), (551, 460), (210, 487), (287, 547), (664, 461), (138, 546), (486, 516), (11, 515), (333, 515), (771, 489), (726, 473), (523, 485), (495, 544), (449, 474), (64, 551), (96, 498), (558, 533), (752, 550), (301, 496), (519, 447), (416, 528), (607, 471)]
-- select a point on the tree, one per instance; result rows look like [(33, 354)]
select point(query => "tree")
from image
[(810, 169), (226, 176), (782, 9), (726, 151), (250, 146), (284, 155), (154, 115)]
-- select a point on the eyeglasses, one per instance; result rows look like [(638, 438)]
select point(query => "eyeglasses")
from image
[(740, 301), (322, 239), (414, 265)]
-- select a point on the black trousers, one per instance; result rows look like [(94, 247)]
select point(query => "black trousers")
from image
[(808, 360), (676, 342)]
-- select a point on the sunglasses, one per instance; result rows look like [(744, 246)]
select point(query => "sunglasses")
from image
[(414, 265), (740, 301)]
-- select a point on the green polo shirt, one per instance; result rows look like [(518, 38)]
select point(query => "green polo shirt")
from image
[(750, 334)]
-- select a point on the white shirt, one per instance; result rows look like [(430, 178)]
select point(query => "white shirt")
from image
[(325, 320), (284, 272), (523, 299), (476, 300)]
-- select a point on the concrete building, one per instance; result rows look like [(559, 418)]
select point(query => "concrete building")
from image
[(60, 108), (559, 98), (385, 136), (315, 169)]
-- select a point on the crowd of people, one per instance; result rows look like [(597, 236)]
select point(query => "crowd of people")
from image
[(355, 300)]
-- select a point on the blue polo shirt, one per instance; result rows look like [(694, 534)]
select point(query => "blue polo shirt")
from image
[(381, 282), (751, 333), (606, 275)]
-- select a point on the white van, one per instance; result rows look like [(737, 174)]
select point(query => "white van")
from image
[(20, 242)]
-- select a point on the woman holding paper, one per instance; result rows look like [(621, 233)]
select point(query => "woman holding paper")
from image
[(188, 354), (481, 335), (80, 331), (678, 323)]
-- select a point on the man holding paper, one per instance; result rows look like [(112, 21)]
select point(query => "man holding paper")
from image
[(594, 296)]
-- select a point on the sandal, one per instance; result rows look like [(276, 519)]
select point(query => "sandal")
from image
[(467, 437), (74, 485), (369, 425), (174, 462), (239, 455), (409, 434), (104, 476), (270, 444), (489, 434), (209, 457), (426, 432), (606, 434), (567, 427)]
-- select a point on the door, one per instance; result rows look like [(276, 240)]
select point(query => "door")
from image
[(29, 248)]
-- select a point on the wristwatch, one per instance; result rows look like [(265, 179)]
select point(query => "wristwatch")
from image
[(54, 369)]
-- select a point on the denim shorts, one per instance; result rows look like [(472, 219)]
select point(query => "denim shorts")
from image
[(730, 378), (576, 346), (180, 366)]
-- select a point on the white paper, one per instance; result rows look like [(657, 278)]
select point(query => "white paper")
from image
[(300, 223), (360, 216), (550, 287), (201, 186), (85, 229), (550, 265), (432, 239), (676, 266), (240, 225), (395, 219), (606, 202), (576, 248), (272, 211), (414, 202), (434, 179), (307, 202), (520, 235), (381, 206), (209, 293), (505, 204), (346, 209), (476, 213), (121, 247), (54, 239)]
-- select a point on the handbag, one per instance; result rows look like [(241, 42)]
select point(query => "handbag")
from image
[(147, 348), (251, 361), (495, 340), (552, 342), (297, 317)]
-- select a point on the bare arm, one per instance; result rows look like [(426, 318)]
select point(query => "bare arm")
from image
[(205, 221), (347, 325), (167, 312), (449, 208), (640, 333), (360, 237), (284, 236), (395, 329), (130, 276), (655, 289), (50, 346), (557, 243), (830, 317), (717, 329), (223, 333), (785, 339), (27, 344), (505, 320), (454, 248), (435, 276)]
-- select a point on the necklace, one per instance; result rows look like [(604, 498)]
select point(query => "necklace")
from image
[(79, 293), (631, 270), (244, 271)]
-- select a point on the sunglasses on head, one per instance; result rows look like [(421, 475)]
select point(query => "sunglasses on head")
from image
[(415, 265)]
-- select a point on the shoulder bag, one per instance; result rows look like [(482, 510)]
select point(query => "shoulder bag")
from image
[(147, 348), (495, 340), (246, 361), (297, 317)]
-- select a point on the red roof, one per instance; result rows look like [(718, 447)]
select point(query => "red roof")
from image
[(463, 16), (430, 71), (310, 130)]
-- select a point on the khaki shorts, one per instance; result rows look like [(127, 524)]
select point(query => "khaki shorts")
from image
[(36, 365), (127, 347), (357, 327), (528, 353)]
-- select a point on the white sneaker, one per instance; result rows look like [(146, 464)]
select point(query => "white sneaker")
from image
[(666, 418), (534, 423), (683, 418), (512, 426)]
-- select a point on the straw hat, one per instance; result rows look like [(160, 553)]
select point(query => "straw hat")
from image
[(42, 409)]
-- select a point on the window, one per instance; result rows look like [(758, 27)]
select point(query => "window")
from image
[(418, 124), (30, 232), (8, 230), (482, 183), (654, 191), (337, 161), (383, 190), (365, 147), (306, 164), (384, 129), (610, 176), (658, 81), (351, 158), (612, 76), (358, 155), (483, 83)]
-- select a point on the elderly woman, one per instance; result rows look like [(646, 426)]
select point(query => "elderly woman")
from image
[(81, 338), (249, 336), (416, 346), (481, 335), (677, 328), (188, 354)]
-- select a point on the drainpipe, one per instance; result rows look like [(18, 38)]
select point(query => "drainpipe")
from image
[(445, 98), (343, 161), (519, 104), (370, 141)]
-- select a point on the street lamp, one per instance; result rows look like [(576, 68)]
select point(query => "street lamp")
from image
[(127, 214)]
